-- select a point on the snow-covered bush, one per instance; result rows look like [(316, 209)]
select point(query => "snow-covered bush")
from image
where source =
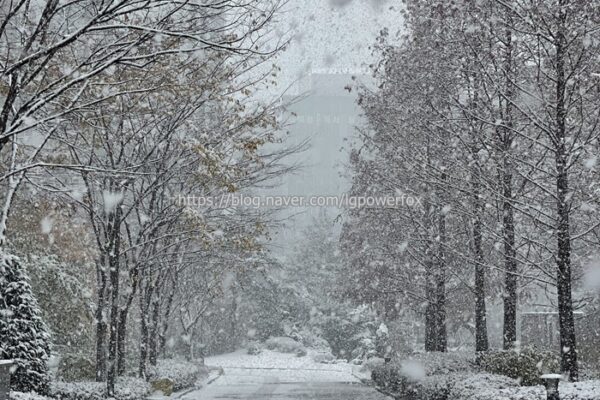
[(478, 386), (76, 368), (125, 389), (366, 349), (254, 349), (424, 375), (312, 340), (372, 363), (27, 396), (283, 345), (408, 383), (65, 300), (496, 387), (351, 332), (324, 358), (183, 374), (526, 366), (23, 334), (382, 340), (436, 363)]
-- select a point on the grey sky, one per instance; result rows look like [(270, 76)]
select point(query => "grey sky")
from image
[(334, 34)]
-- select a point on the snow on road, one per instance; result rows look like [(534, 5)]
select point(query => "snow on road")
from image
[(274, 376), (286, 367)]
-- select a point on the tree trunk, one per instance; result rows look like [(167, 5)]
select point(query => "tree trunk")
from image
[(440, 286), (162, 339), (114, 325), (101, 325), (114, 234), (481, 335), (123, 314), (153, 343), (431, 331), (510, 262), (145, 302), (568, 345), (122, 333), (509, 336), (143, 340)]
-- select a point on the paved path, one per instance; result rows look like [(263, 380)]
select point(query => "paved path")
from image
[(273, 376)]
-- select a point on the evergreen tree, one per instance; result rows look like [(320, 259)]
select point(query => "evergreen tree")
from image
[(23, 334)]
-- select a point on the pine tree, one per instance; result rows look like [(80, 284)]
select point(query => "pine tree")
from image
[(23, 335)]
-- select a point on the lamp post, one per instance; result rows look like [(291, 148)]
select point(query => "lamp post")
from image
[(551, 382)]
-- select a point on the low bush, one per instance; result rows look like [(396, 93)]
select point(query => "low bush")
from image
[(183, 374), (427, 376), (283, 345), (125, 389), (76, 368), (254, 349), (480, 386), (27, 396), (163, 385), (372, 363), (324, 358), (526, 366)]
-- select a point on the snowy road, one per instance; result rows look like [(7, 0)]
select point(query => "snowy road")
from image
[(275, 376)]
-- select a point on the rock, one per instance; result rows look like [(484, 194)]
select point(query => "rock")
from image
[(163, 385), (254, 349), (301, 352)]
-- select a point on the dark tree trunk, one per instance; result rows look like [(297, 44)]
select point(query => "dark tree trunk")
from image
[(122, 333), (143, 343), (123, 314), (162, 337), (113, 263), (563, 260), (481, 335), (145, 302), (508, 225), (431, 331), (510, 262), (440, 286), (153, 342), (101, 325)]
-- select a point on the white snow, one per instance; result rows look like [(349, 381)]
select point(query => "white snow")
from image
[(413, 370), (111, 200), (47, 223), (240, 367)]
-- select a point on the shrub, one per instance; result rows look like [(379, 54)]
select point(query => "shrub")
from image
[(76, 368), (283, 345), (480, 386), (391, 379), (324, 358), (525, 366), (163, 385), (387, 376), (372, 363), (23, 335), (424, 375), (254, 349), (183, 374), (125, 389)]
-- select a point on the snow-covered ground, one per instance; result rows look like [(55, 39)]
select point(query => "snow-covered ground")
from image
[(286, 367), (272, 375)]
